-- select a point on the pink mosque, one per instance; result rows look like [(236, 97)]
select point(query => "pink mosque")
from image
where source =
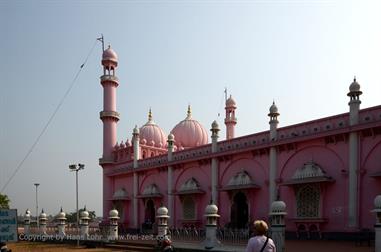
[(327, 171)]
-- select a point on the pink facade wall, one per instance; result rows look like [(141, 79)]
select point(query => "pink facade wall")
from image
[(327, 147)]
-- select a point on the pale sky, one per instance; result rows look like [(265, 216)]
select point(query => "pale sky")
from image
[(302, 54)]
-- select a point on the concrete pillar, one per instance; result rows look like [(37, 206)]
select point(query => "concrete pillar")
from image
[(84, 223), (214, 172), (43, 222), (377, 226), (61, 218), (113, 231), (211, 214), (170, 141), (135, 178), (353, 163), (162, 221), (27, 222), (278, 227), (273, 153)]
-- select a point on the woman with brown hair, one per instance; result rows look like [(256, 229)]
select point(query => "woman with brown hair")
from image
[(260, 242)]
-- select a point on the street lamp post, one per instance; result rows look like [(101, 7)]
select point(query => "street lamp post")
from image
[(38, 224), (76, 168)]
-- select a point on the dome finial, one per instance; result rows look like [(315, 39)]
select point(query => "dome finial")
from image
[(354, 78), (150, 115), (189, 112)]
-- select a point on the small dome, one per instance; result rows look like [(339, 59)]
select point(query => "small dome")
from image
[(43, 215), (152, 133), (162, 212), (171, 137), (136, 130), (122, 145), (189, 133), (354, 87), (84, 214), (215, 125), (274, 109), (27, 213), (61, 215), (230, 103), (278, 207), (114, 214), (377, 202), (110, 54), (211, 209)]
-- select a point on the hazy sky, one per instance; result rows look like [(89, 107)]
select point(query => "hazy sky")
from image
[(302, 54)]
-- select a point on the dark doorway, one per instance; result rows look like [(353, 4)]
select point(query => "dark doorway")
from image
[(149, 217), (239, 215)]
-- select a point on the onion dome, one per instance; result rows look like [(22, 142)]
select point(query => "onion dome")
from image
[(215, 125), (61, 215), (128, 142), (113, 214), (84, 214), (230, 103), (152, 133), (189, 133), (27, 213), (109, 55), (278, 208), (377, 202), (273, 109), (135, 131), (43, 215), (122, 145), (354, 88), (171, 137), (162, 212), (211, 210)]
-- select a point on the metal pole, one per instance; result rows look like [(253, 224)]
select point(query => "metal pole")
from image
[(76, 180), (37, 221)]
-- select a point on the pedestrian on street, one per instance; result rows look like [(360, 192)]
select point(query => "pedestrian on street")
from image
[(260, 242)]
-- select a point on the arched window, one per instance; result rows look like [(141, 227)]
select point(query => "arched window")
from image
[(152, 154), (189, 208), (308, 201), (144, 155)]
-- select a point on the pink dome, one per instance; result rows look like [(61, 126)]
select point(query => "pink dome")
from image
[(152, 134), (230, 102), (189, 133), (110, 54)]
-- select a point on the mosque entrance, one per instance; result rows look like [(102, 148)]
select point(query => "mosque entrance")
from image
[(149, 216), (239, 214)]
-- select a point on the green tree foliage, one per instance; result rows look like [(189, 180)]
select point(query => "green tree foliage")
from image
[(4, 201)]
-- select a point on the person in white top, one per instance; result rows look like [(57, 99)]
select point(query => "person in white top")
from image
[(260, 242)]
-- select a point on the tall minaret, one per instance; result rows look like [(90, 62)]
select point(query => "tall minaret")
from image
[(109, 116), (214, 170), (170, 146), (230, 119), (354, 107), (273, 153)]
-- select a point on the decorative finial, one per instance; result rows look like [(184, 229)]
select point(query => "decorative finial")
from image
[(354, 78), (150, 115), (84, 209), (189, 112), (61, 209)]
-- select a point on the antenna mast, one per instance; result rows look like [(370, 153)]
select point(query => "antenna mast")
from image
[(101, 39)]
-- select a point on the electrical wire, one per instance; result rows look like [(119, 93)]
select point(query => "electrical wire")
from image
[(50, 119)]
